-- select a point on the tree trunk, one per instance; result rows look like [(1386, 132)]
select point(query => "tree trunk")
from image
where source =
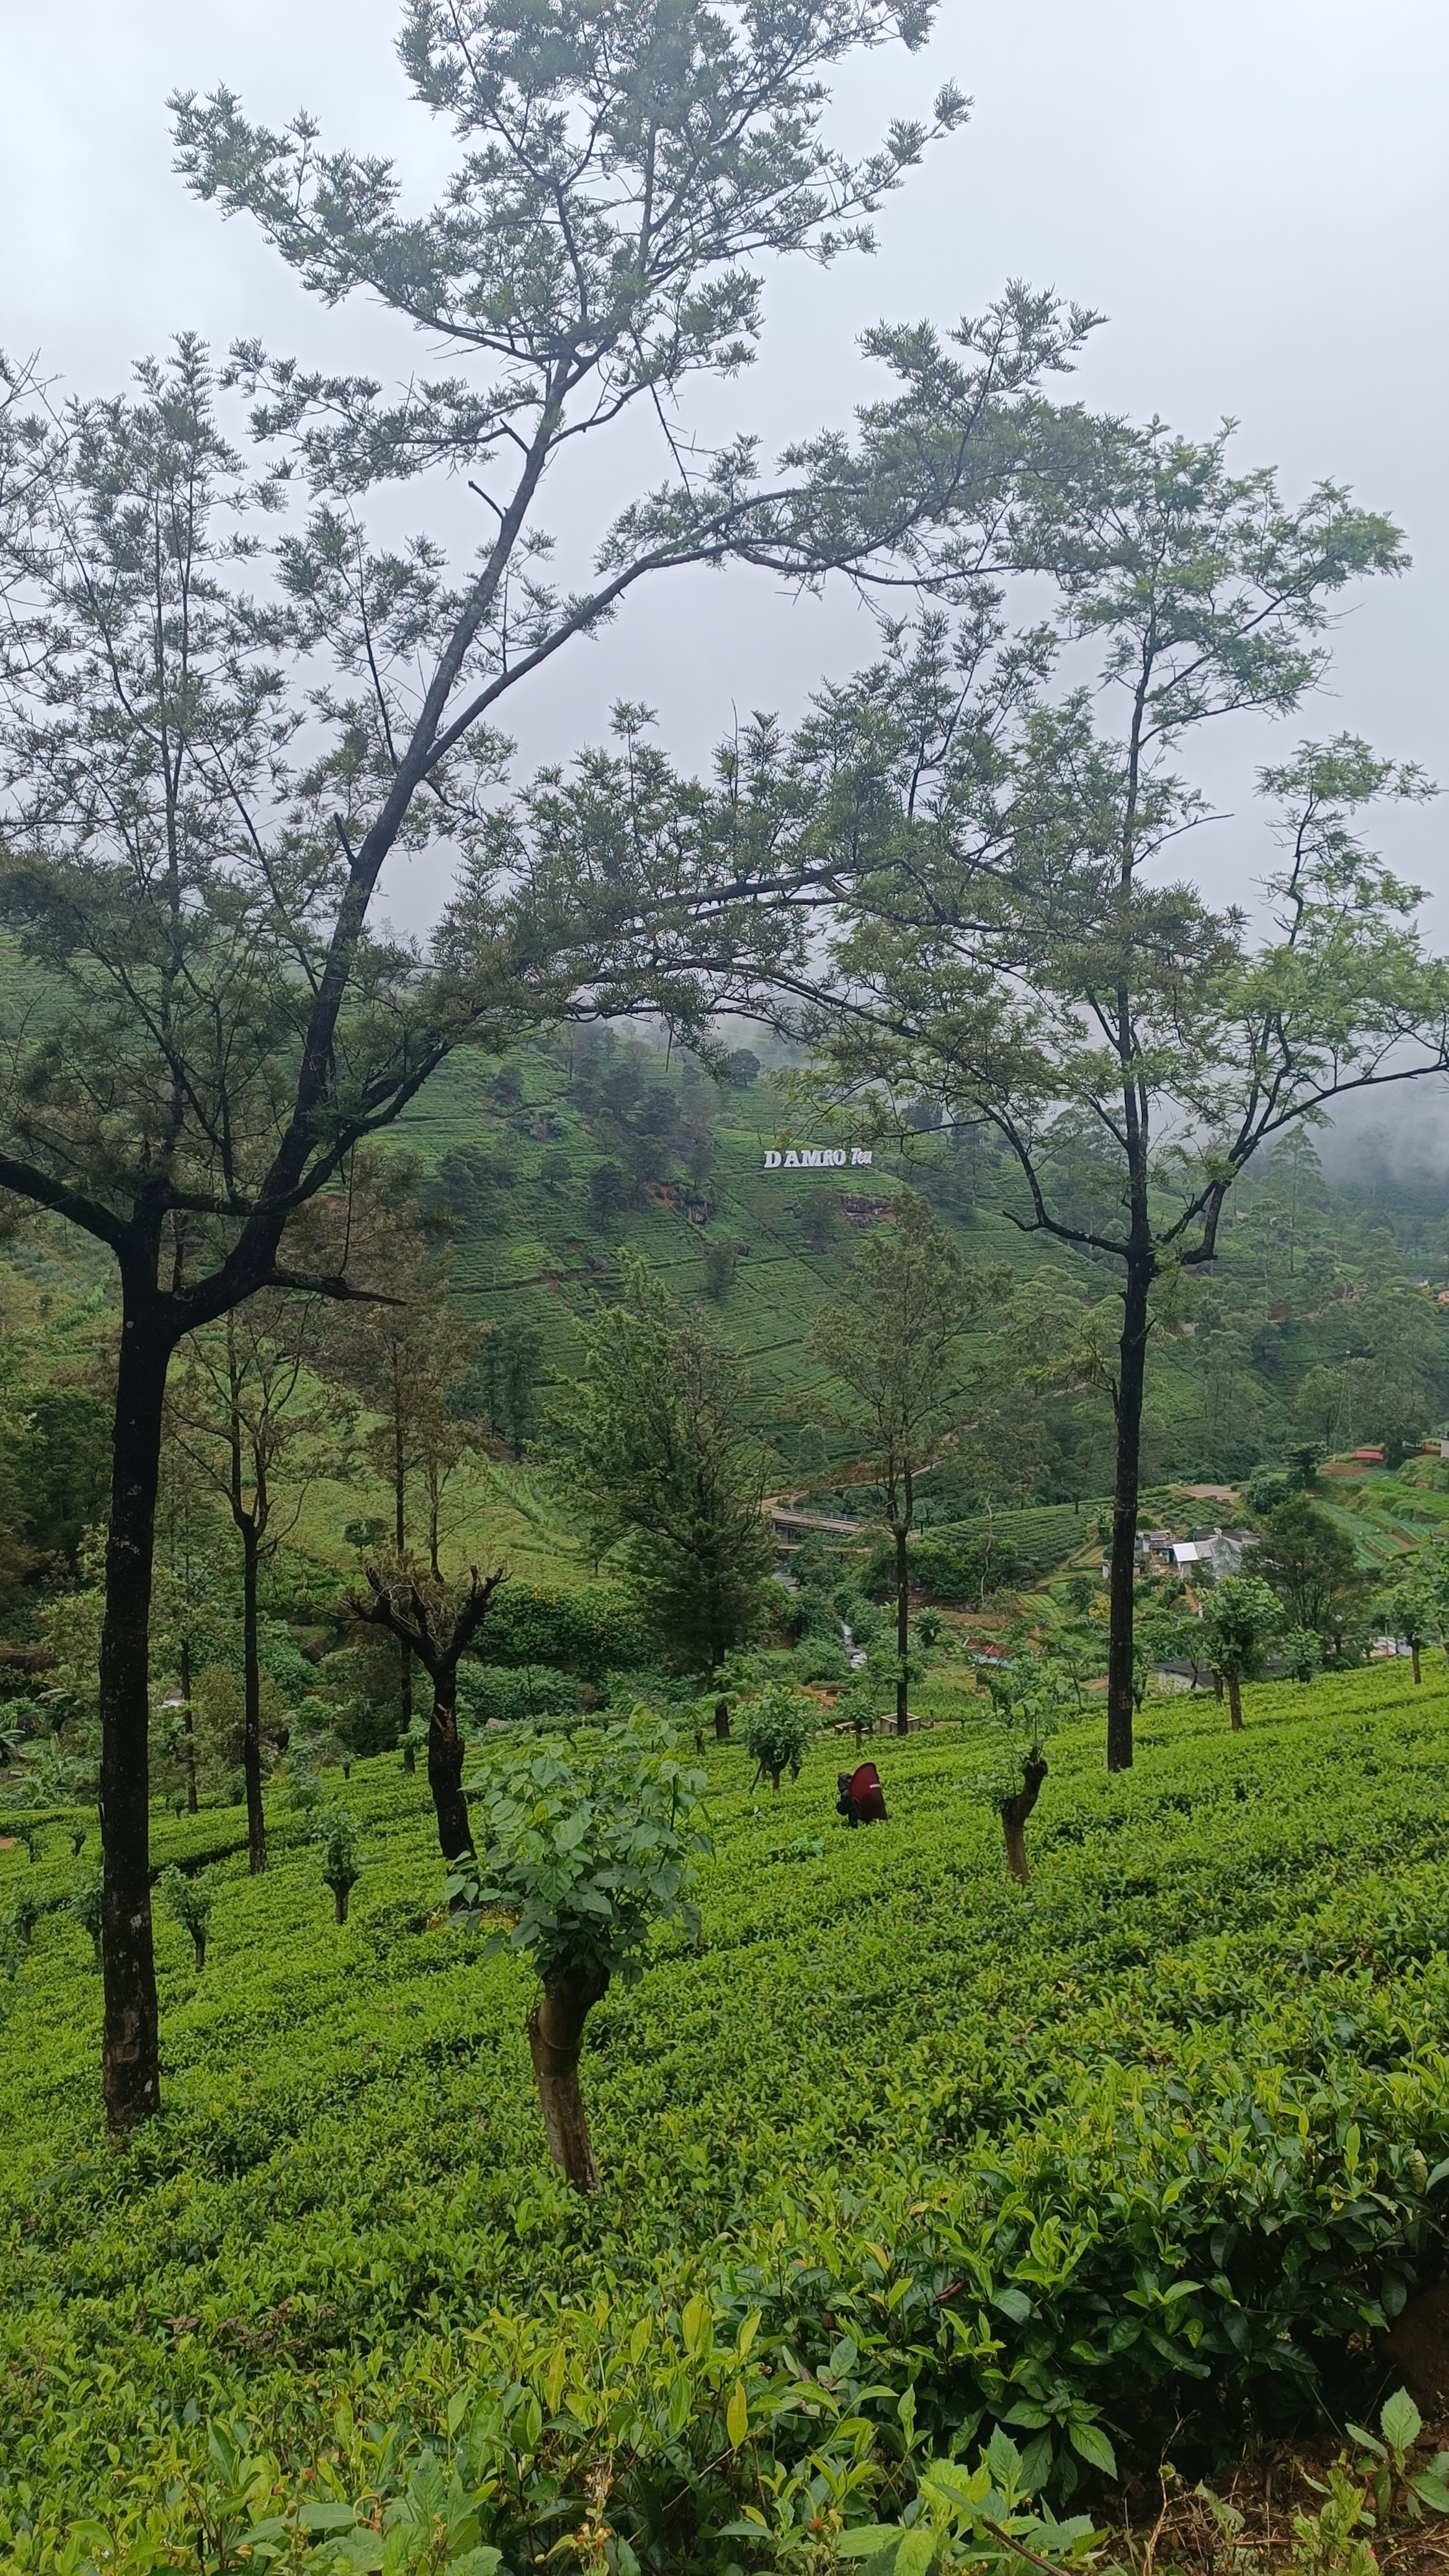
[(1014, 1813), (1235, 1700), (339, 1903), (130, 2072), (252, 1704), (445, 1768), (1414, 1653), (555, 2035), (198, 1943), (1217, 1685), (188, 1722), (1131, 1372), (722, 1721), (903, 1631)]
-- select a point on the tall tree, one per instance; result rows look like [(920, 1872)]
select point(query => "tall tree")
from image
[(1009, 948), (256, 1422), (192, 873), (408, 1358), (894, 1338), (1312, 1565), (653, 1451), (184, 1584)]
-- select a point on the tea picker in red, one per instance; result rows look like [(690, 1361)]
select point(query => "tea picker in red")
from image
[(861, 1800)]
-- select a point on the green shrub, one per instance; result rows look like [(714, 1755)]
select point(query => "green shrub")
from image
[(821, 1661), (493, 1694), (188, 1897), (585, 1632), (335, 1833), (775, 1729), (587, 1847)]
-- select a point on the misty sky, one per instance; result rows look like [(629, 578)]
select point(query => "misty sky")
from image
[(1253, 191)]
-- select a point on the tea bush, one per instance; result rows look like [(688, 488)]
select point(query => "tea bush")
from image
[(896, 2153)]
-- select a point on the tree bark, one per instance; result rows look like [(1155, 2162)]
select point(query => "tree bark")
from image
[(1014, 1813), (339, 1903), (1123, 1566), (445, 1767), (252, 1703), (1414, 1654), (722, 1721), (1235, 1700), (555, 2035), (903, 1631), (198, 1943), (130, 2068), (1217, 1685)]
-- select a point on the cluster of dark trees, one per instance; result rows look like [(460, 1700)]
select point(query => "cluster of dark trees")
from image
[(225, 708)]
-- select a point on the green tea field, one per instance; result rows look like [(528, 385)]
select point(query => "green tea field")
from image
[(1150, 2152)]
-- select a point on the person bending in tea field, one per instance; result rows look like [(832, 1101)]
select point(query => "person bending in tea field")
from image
[(861, 1800)]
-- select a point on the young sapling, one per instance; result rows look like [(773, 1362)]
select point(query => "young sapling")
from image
[(1408, 1611), (1241, 1616), (1028, 1703), (775, 1731), (188, 1901), (335, 1833), (587, 1845)]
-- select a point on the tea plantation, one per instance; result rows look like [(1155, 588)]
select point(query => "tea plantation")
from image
[(1146, 2152)]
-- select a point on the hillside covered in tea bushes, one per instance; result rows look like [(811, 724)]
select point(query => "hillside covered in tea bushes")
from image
[(1149, 2152)]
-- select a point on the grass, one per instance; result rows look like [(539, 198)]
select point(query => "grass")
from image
[(888, 2090)]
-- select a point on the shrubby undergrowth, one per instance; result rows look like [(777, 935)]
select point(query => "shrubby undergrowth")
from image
[(1148, 2151)]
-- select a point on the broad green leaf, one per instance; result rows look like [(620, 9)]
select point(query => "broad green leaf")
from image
[(1013, 2303), (1400, 2420), (1091, 2444), (1431, 2490), (737, 2416), (1036, 2462), (1003, 2458), (863, 2540), (917, 2550), (359, 2551)]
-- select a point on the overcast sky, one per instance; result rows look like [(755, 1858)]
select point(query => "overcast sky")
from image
[(1253, 191)]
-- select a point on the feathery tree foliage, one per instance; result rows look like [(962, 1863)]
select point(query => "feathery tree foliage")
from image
[(1010, 949), (893, 1338), (201, 782)]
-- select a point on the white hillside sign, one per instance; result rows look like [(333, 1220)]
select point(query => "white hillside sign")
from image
[(816, 1158)]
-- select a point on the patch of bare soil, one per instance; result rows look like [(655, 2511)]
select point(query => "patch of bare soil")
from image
[(1178, 2532)]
